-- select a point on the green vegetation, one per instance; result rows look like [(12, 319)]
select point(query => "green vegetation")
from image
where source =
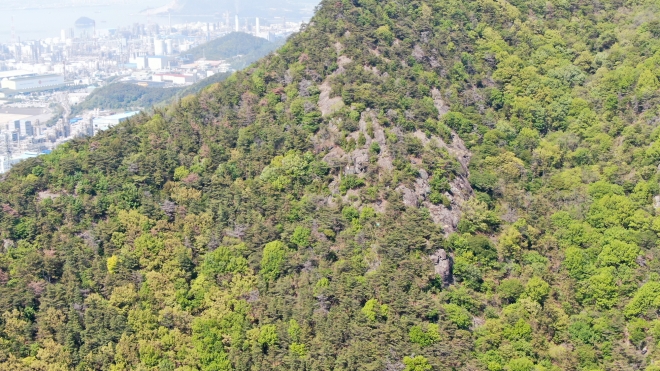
[(131, 96), (292, 216), (238, 48), (125, 96)]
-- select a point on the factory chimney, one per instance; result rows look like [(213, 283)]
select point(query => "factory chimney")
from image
[(236, 23)]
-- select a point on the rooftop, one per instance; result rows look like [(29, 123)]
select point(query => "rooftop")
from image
[(15, 73), (120, 116), (34, 77)]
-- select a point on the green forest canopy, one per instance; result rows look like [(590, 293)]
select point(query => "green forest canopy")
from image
[(238, 48), (127, 96), (285, 218)]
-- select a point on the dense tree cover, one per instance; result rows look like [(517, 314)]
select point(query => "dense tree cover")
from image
[(219, 234), (123, 95), (238, 48), (131, 96)]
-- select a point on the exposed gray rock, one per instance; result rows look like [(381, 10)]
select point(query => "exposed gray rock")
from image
[(342, 61), (288, 77), (328, 105), (444, 266), (7, 244), (422, 188), (360, 161), (425, 36), (303, 88), (448, 218), (339, 47), (409, 196), (418, 53), (478, 322), (169, 208), (336, 158), (460, 188), (394, 366), (439, 102), (48, 194), (252, 296)]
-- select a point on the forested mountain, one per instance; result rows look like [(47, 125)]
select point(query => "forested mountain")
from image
[(238, 48), (124, 96), (132, 96), (405, 185)]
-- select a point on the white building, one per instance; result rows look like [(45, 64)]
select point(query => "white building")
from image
[(106, 122), (6, 162), (159, 47), (158, 62), (141, 63), (35, 82), (177, 79)]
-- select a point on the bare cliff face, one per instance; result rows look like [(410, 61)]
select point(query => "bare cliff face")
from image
[(461, 190), (358, 161), (363, 163)]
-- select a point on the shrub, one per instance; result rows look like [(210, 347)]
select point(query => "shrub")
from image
[(301, 236), (424, 338), (537, 289), (272, 260), (510, 290), (350, 182), (458, 316), (417, 363)]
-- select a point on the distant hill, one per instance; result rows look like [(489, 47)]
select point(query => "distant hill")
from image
[(125, 95), (239, 48), (130, 96)]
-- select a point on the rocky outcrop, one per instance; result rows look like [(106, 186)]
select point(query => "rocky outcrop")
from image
[(327, 104), (444, 266), (357, 162), (460, 188), (48, 195)]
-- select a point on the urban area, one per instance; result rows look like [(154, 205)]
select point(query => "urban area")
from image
[(41, 81)]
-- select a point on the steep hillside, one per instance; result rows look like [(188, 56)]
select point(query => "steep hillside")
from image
[(405, 185)]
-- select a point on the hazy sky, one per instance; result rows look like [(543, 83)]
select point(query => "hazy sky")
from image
[(39, 19), (197, 5)]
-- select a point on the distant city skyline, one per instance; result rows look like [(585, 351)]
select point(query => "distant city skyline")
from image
[(51, 59), (39, 19)]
